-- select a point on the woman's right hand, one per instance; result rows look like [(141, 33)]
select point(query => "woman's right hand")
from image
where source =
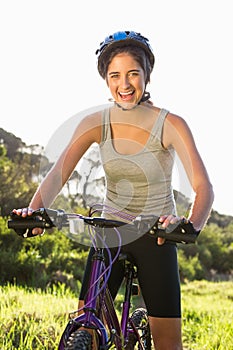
[(23, 212)]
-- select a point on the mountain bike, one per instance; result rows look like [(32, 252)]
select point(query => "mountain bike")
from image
[(97, 324)]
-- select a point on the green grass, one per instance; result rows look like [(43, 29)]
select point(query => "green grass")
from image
[(35, 320), (208, 315)]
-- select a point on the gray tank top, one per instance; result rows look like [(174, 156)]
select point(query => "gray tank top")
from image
[(138, 183)]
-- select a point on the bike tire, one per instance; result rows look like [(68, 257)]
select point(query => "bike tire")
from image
[(79, 340), (140, 319)]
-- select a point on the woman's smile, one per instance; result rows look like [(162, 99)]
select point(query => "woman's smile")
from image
[(126, 96)]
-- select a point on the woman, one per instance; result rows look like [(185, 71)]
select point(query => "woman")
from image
[(137, 142)]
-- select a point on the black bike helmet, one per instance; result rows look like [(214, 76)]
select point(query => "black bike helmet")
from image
[(119, 39)]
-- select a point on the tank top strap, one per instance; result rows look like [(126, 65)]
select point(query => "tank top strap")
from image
[(158, 126), (106, 132), (156, 130)]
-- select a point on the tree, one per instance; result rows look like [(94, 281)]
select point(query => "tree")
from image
[(11, 143), (15, 185), (87, 183)]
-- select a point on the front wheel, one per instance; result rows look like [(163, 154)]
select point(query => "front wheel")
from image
[(79, 340), (140, 321)]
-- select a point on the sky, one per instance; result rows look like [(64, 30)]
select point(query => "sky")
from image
[(48, 69)]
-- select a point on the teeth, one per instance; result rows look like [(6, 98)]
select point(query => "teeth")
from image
[(126, 93)]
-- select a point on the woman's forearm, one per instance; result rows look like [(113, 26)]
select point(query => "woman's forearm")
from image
[(48, 190), (202, 206)]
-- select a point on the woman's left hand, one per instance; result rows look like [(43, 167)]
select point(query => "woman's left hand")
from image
[(166, 220)]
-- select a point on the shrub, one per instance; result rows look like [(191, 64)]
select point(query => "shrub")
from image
[(40, 261)]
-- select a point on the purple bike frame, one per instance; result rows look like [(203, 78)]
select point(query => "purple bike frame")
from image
[(89, 319)]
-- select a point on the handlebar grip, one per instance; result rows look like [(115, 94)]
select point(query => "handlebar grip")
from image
[(24, 227), (27, 224), (41, 218), (177, 236), (181, 232)]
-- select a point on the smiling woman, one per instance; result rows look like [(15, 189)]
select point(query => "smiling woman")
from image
[(137, 143)]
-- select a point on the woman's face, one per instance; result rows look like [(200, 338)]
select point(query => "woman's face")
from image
[(125, 79)]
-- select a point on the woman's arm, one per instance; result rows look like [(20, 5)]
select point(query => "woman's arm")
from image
[(178, 134)]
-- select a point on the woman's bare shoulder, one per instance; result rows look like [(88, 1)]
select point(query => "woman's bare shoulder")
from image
[(176, 120), (90, 125), (176, 123), (93, 119), (176, 127)]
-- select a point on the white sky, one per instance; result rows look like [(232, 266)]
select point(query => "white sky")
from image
[(48, 68)]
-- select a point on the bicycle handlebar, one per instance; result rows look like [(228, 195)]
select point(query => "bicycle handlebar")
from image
[(181, 232)]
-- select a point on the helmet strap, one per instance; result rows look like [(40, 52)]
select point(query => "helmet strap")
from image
[(145, 97)]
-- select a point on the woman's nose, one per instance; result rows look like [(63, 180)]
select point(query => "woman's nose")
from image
[(125, 82)]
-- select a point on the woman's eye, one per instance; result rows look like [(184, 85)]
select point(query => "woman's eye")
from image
[(114, 76), (133, 74)]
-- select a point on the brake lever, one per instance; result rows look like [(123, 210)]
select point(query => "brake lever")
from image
[(55, 218), (145, 223)]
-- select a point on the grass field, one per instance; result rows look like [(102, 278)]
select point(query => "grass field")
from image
[(34, 319)]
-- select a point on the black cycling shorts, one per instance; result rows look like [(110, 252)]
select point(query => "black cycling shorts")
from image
[(158, 275)]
